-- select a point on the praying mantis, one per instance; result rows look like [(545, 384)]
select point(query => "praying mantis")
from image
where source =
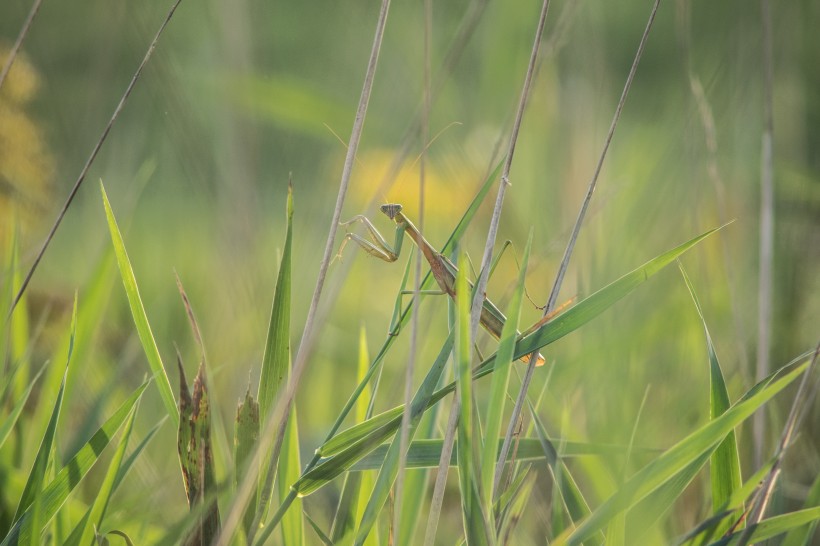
[(443, 270)]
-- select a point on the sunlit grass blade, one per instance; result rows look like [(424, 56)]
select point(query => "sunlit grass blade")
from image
[(725, 463), (668, 465), (500, 382), (19, 333), (289, 469), (773, 526), (478, 527), (390, 466), (84, 532), (276, 357), (14, 414), (138, 313), (38, 469), (56, 493)]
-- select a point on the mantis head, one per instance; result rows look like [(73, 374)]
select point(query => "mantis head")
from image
[(391, 210)]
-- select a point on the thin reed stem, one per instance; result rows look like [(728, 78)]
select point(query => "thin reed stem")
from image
[(35, 7), (764, 289)]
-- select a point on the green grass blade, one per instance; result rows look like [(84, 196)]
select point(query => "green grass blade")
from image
[(11, 418), (601, 300), (56, 493), (476, 522), (84, 532), (289, 469), (35, 479), (773, 526), (500, 382), (725, 462), (682, 454), (277, 345), (356, 433), (138, 313)]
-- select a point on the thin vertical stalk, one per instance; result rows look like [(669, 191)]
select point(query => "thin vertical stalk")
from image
[(414, 318), (277, 419), (35, 7), (519, 403), (764, 289)]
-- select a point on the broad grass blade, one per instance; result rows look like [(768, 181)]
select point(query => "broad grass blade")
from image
[(725, 462), (84, 532), (56, 493), (146, 336), (676, 458)]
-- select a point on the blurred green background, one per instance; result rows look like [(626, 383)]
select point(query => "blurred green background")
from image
[(240, 96)]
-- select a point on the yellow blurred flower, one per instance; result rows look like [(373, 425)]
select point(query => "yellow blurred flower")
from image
[(26, 165)]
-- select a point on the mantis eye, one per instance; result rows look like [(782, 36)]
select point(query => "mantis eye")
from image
[(391, 209)]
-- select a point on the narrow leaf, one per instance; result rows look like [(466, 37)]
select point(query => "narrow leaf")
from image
[(146, 336), (725, 462)]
